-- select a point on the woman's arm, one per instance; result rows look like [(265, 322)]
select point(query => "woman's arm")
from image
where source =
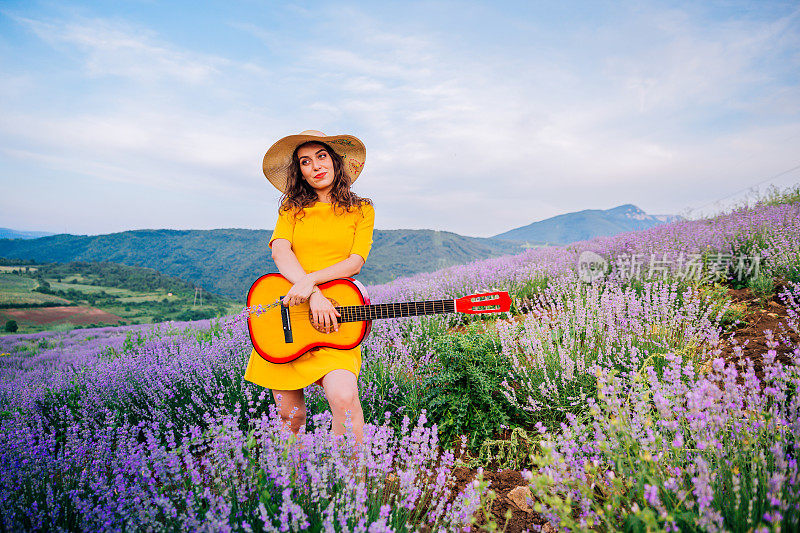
[(286, 261), (304, 283)]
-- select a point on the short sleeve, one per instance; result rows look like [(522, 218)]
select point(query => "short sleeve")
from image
[(362, 241), (284, 227)]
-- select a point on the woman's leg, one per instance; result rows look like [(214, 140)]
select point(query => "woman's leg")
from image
[(341, 389), (292, 408)]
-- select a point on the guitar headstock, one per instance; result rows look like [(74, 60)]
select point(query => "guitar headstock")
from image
[(485, 302)]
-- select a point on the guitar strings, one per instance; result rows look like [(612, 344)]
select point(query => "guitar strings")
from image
[(356, 313)]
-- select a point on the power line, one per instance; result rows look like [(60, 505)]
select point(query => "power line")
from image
[(750, 187)]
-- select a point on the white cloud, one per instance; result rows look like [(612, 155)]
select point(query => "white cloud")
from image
[(116, 49), (452, 128)]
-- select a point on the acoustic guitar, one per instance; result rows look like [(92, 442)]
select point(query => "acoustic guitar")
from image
[(281, 334)]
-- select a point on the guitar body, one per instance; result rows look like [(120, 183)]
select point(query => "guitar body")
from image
[(282, 334), (267, 330)]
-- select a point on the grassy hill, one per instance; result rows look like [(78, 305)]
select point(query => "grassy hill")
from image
[(400, 253), (227, 261), (66, 295)]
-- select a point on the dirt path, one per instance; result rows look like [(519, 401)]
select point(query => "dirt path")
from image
[(761, 315)]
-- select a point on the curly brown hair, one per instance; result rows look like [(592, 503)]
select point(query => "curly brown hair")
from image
[(299, 194)]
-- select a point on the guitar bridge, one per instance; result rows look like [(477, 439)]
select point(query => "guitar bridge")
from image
[(287, 323)]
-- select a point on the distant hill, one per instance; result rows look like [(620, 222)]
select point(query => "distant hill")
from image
[(405, 252), (115, 275), (8, 233), (227, 261), (586, 224)]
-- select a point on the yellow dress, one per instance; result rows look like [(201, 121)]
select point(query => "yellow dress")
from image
[(320, 238)]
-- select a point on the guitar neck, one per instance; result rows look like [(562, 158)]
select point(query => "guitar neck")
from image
[(357, 313)]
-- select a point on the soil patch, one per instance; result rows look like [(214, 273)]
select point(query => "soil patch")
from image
[(72, 314), (502, 483), (762, 315)]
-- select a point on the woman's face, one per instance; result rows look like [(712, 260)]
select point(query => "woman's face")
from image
[(317, 168)]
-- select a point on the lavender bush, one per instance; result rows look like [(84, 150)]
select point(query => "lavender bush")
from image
[(102, 477), (153, 428), (580, 326), (680, 451), (157, 430)]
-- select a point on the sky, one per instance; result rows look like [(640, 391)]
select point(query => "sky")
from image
[(478, 117)]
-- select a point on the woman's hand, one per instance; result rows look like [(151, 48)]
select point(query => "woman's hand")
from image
[(323, 312), (300, 291)]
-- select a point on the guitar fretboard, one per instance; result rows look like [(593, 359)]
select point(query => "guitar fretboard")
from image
[(357, 313)]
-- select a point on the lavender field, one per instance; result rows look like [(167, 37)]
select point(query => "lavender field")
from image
[(637, 408)]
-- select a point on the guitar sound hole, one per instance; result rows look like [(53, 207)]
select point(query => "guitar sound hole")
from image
[(319, 327)]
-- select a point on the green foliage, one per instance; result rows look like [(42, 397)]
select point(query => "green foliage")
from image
[(6, 261), (195, 314), (227, 261), (634, 283), (638, 284), (215, 331), (388, 387), (777, 196), (33, 305), (465, 396), (744, 249), (400, 253), (132, 293), (730, 314), (43, 287), (523, 295), (117, 275), (512, 453), (11, 326), (791, 272), (762, 286), (133, 340)]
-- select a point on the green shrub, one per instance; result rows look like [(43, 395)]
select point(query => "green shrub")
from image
[(790, 271), (43, 287), (11, 326), (728, 313), (512, 453), (522, 296), (194, 314), (762, 286), (465, 396), (777, 196), (744, 248)]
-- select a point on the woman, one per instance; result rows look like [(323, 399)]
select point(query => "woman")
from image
[(324, 232)]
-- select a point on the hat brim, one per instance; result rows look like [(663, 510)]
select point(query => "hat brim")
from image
[(278, 159)]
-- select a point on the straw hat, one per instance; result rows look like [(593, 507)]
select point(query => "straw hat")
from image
[(278, 159)]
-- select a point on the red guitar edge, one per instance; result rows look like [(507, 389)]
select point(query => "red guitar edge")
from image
[(365, 330)]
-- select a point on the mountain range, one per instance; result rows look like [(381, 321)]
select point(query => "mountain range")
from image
[(227, 261), (8, 233), (586, 224)]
